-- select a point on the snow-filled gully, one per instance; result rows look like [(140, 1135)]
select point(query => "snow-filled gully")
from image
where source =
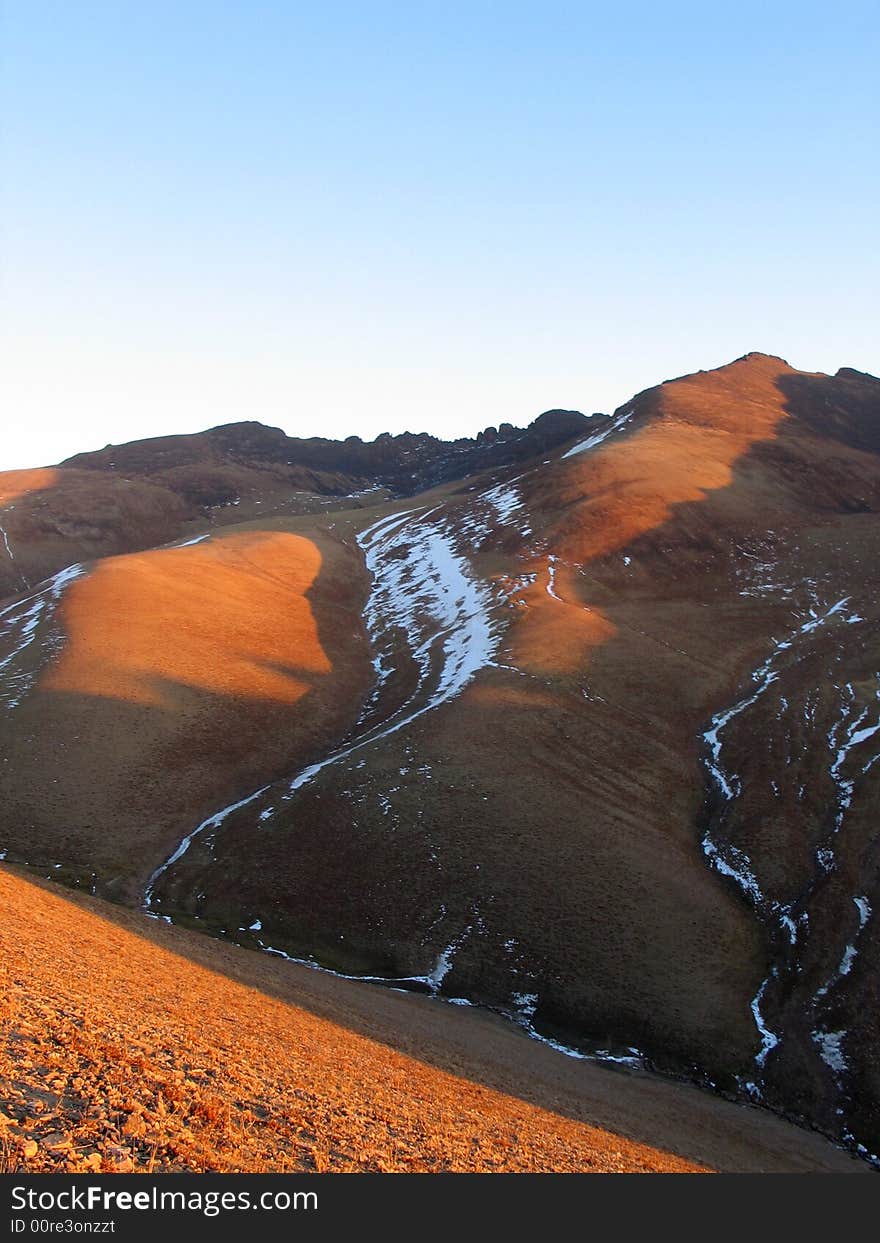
[(849, 732), (429, 983), (6, 543), (21, 626)]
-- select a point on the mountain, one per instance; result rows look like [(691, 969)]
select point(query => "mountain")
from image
[(583, 731)]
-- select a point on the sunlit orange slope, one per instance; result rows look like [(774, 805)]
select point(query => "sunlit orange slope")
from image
[(16, 483), (687, 437), (229, 615), (751, 441), (682, 444)]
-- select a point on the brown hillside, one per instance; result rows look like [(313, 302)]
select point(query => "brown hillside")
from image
[(160, 679), (130, 497), (53, 517)]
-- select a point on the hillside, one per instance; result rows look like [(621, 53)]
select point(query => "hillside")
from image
[(587, 737), (130, 1045), (141, 690)]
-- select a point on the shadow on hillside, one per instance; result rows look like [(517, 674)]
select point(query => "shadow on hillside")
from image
[(844, 407)]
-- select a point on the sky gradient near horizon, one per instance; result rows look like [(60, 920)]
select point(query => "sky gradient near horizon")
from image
[(348, 218)]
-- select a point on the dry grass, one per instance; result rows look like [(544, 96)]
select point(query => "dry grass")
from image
[(229, 616)]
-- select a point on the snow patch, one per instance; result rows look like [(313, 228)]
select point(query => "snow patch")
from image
[(831, 1049), (197, 539), (423, 586), (863, 907), (20, 624), (551, 579), (591, 442), (504, 499), (6, 544)]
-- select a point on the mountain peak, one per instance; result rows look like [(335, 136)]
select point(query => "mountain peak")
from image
[(758, 356)]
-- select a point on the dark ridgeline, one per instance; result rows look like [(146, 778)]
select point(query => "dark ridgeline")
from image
[(404, 464)]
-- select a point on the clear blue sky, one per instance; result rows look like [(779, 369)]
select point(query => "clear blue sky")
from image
[(356, 217)]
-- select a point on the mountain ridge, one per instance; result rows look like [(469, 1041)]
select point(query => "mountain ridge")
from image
[(127, 498)]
